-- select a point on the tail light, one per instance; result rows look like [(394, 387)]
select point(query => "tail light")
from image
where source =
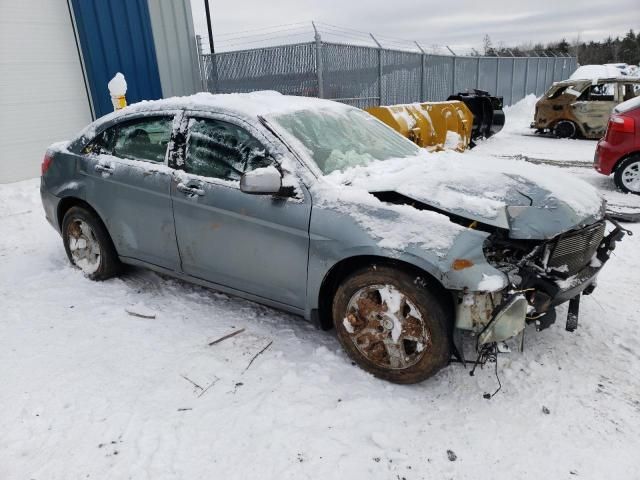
[(46, 163), (622, 124)]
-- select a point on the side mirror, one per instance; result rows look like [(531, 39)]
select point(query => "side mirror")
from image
[(261, 181)]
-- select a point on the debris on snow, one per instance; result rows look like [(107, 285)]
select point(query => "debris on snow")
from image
[(140, 310), (257, 355), (232, 334)]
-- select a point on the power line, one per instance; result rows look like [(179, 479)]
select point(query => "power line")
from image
[(257, 35), (268, 38), (261, 29)]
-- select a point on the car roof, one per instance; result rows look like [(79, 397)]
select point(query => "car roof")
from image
[(248, 105), (576, 81)]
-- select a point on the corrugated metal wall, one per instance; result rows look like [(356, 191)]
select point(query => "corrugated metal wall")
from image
[(176, 52), (115, 36)]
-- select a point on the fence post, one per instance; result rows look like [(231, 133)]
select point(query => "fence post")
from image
[(379, 69), (478, 74), (422, 71), (513, 77), (319, 61), (526, 77), (497, 75), (203, 83), (537, 75), (453, 76)]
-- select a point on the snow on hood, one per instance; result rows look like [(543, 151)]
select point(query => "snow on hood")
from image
[(532, 201)]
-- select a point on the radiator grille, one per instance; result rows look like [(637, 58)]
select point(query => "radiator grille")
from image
[(575, 249)]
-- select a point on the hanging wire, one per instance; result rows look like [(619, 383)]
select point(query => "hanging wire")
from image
[(261, 29)]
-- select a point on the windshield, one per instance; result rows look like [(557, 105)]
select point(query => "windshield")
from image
[(337, 139)]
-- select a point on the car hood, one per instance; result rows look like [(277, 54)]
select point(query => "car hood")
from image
[(531, 201)]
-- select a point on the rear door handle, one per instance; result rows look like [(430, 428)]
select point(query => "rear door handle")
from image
[(103, 168), (190, 190)]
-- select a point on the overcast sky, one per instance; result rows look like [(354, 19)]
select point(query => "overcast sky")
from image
[(461, 24)]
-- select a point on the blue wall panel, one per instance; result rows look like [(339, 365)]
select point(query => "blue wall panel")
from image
[(115, 36)]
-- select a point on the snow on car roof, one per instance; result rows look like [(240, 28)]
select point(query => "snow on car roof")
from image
[(249, 104)]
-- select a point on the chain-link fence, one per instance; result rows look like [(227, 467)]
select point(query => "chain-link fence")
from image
[(365, 76)]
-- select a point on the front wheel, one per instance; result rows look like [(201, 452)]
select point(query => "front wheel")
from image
[(391, 325), (565, 129), (627, 176), (88, 244)]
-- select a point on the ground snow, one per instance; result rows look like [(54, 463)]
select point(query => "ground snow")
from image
[(90, 391)]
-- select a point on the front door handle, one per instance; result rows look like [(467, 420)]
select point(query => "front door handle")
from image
[(107, 169), (190, 190)]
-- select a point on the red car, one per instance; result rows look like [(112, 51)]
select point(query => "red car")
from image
[(618, 152)]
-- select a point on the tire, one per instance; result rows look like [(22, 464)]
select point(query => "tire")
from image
[(627, 175), (565, 129), (404, 347), (88, 244)]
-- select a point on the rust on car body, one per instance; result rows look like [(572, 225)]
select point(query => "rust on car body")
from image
[(581, 108)]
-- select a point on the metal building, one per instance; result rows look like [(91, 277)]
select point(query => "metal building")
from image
[(56, 57)]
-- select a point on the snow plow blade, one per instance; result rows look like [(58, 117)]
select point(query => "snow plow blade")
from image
[(488, 116), (433, 125)]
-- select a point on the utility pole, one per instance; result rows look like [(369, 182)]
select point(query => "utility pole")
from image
[(213, 84)]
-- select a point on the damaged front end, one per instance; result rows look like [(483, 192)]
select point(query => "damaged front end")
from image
[(541, 275)]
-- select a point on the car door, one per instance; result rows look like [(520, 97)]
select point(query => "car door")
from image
[(252, 243), (594, 106), (129, 185)]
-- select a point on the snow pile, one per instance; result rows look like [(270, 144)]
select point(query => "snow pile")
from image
[(117, 86)]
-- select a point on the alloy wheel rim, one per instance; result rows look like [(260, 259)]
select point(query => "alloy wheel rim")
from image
[(631, 176), (386, 327), (84, 246)]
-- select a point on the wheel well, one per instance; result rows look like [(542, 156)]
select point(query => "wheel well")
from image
[(622, 159), (69, 202), (345, 267)]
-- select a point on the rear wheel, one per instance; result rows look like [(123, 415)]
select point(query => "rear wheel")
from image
[(565, 129), (627, 176), (390, 325), (88, 245)]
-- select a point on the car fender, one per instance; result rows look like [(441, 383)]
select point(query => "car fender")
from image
[(342, 238)]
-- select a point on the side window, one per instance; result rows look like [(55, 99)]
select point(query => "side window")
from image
[(143, 139), (102, 144), (629, 91), (601, 92), (222, 150)]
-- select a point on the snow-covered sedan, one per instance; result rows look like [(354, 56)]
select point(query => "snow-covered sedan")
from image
[(319, 209)]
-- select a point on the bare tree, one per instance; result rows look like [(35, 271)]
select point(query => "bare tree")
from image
[(487, 45)]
